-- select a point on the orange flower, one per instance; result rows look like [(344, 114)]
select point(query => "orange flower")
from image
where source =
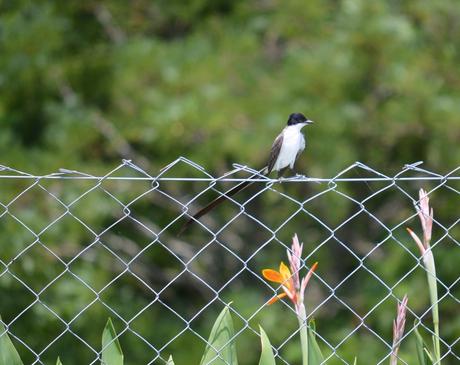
[(286, 279), (283, 277)]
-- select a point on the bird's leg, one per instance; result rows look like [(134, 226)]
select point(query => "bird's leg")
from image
[(297, 175), (281, 173)]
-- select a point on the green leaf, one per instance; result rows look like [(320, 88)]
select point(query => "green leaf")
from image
[(58, 362), (170, 360), (315, 357), (111, 349), (356, 361), (266, 356), (221, 349), (424, 358), (8, 354)]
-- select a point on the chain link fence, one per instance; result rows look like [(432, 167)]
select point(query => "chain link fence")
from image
[(76, 249)]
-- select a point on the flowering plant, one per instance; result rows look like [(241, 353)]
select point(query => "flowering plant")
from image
[(425, 214), (294, 289)]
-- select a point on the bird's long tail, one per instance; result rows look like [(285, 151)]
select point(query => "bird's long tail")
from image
[(242, 185)]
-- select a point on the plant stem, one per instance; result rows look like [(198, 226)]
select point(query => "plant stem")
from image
[(428, 260), (302, 317)]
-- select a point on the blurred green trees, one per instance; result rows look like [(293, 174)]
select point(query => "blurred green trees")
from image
[(86, 83), (208, 77)]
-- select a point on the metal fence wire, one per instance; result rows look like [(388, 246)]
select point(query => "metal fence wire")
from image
[(76, 249)]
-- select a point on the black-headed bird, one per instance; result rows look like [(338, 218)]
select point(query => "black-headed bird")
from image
[(284, 152)]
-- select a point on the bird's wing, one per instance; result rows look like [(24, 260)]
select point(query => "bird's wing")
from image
[(274, 153)]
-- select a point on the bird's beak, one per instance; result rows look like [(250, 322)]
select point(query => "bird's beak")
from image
[(308, 121)]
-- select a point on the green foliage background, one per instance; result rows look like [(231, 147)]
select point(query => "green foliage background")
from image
[(86, 83)]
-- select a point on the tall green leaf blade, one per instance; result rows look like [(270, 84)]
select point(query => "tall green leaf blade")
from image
[(266, 356), (356, 361), (423, 358), (8, 353), (315, 357), (111, 349), (170, 360), (58, 361), (221, 349)]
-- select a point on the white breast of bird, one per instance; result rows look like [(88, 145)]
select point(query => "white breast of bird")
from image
[(293, 143)]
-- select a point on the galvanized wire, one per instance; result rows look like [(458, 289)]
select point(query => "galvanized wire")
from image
[(28, 186)]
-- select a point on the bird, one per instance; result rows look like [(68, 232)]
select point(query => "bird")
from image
[(285, 150)]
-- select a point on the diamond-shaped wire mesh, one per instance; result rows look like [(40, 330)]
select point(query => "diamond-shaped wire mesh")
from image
[(76, 249)]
